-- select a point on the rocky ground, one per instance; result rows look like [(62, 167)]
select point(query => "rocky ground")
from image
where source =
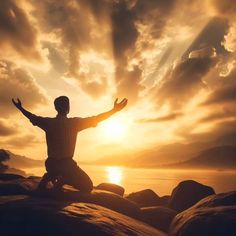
[(192, 209)]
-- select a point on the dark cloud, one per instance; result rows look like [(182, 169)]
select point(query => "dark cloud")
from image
[(221, 96), (212, 36), (127, 24), (226, 7), (16, 82), (183, 82), (6, 130), (83, 25), (169, 117), (79, 29), (220, 115), (17, 31)]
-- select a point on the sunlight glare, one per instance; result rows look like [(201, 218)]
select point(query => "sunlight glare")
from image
[(113, 129), (114, 174)]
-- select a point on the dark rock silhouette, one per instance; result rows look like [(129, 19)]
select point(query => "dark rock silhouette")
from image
[(145, 198), (99, 197), (3, 157), (18, 185), (187, 193), (25, 210), (158, 217), (114, 188), (214, 215), (23, 215), (6, 176)]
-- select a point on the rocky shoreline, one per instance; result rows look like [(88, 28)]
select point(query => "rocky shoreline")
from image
[(191, 209)]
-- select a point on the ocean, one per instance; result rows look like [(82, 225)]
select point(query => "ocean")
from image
[(162, 181)]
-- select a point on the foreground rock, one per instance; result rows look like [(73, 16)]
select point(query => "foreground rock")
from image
[(27, 186), (6, 176), (114, 188), (158, 217), (213, 216), (187, 193), (145, 198), (23, 215), (14, 186)]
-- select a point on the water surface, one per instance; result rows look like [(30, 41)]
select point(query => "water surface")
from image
[(162, 181)]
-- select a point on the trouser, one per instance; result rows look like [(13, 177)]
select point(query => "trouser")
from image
[(66, 171)]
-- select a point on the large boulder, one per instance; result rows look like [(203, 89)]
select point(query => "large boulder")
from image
[(145, 198), (212, 216), (114, 188), (7, 176), (18, 186), (103, 198), (23, 215), (187, 193), (159, 217)]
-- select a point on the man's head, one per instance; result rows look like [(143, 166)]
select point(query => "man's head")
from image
[(62, 105)]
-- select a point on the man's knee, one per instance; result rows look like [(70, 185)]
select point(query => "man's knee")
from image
[(85, 185)]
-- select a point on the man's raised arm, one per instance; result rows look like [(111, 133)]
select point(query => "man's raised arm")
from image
[(117, 107), (18, 105)]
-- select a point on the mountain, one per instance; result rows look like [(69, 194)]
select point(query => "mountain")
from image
[(156, 156), (220, 157), (18, 161), (168, 154)]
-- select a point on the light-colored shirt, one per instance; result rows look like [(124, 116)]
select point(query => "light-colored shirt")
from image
[(61, 133)]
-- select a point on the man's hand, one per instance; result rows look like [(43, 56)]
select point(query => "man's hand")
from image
[(17, 103), (120, 105)]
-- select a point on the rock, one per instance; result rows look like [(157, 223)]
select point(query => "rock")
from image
[(221, 199), (165, 200), (23, 215), (106, 199), (212, 216), (18, 186), (6, 176), (145, 198), (159, 217), (114, 188), (187, 193), (99, 197)]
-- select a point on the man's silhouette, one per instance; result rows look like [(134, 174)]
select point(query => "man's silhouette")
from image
[(61, 133)]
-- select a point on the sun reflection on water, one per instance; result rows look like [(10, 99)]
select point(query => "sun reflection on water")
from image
[(114, 174)]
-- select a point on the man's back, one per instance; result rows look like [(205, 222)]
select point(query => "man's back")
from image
[(61, 133)]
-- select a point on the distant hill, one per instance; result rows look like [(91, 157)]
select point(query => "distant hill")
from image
[(168, 154), (156, 156), (18, 161), (220, 157)]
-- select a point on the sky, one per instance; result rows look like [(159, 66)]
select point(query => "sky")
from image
[(174, 60)]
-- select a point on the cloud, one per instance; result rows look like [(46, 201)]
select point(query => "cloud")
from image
[(6, 129), (222, 96), (79, 29), (17, 32), (227, 10), (211, 36), (21, 141), (183, 82), (16, 82), (168, 117), (219, 115), (113, 30)]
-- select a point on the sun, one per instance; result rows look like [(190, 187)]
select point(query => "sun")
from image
[(114, 174), (113, 129)]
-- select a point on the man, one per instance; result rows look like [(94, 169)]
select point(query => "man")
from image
[(61, 133)]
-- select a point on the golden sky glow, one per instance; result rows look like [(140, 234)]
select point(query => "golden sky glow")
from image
[(174, 60)]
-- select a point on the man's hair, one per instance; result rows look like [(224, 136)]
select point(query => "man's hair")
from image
[(62, 104)]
